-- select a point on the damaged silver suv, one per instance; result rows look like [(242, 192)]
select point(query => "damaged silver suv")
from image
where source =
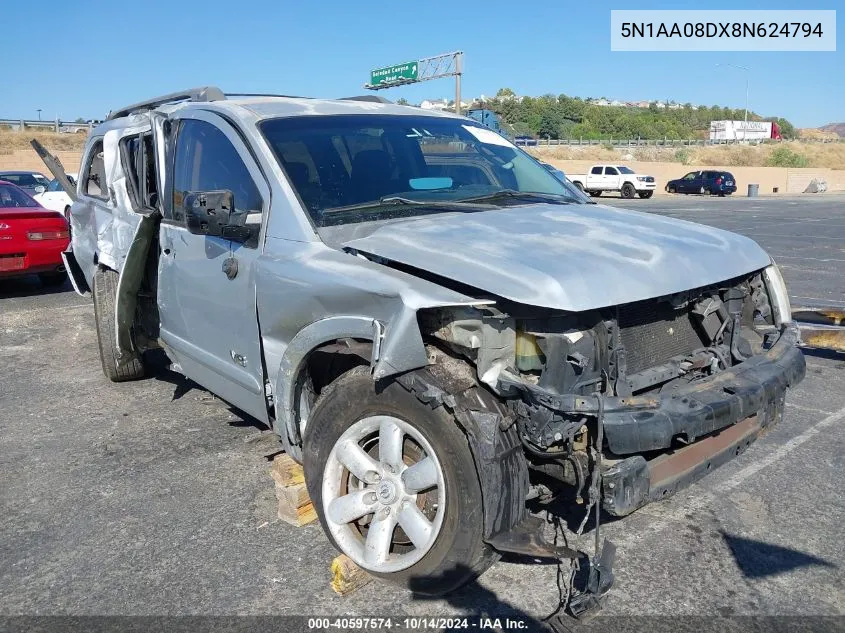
[(436, 327)]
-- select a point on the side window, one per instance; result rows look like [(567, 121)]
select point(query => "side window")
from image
[(206, 160), (138, 159), (691, 175), (94, 175), (611, 171), (596, 170)]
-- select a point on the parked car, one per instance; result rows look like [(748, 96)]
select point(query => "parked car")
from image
[(32, 238), (29, 181), (710, 181), (437, 337), (602, 178), (54, 197)]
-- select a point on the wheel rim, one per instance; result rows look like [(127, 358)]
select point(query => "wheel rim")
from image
[(384, 494)]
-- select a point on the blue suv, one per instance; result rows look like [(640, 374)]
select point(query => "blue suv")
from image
[(711, 182)]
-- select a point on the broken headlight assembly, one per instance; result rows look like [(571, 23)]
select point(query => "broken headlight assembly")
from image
[(778, 294)]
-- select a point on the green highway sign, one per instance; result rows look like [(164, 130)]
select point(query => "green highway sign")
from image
[(400, 72)]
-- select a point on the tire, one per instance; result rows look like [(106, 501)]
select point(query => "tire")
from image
[(646, 194), (454, 552), (595, 194), (628, 190), (105, 290), (579, 185), (702, 191), (52, 279), (671, 189)]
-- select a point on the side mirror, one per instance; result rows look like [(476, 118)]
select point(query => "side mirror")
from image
[(213, 213), (40, 189)]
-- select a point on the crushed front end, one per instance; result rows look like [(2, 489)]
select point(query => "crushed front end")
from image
[(680, 383)]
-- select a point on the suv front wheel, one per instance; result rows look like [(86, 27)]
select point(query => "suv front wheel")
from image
[(394, 484)]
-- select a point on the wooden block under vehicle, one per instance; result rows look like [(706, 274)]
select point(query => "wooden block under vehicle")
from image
[(295, 505), (347, 576)]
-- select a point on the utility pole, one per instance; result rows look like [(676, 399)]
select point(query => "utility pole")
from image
[(459, 67), (39, 113)]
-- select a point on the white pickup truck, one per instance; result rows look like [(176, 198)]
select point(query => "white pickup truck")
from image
[(614, 178)]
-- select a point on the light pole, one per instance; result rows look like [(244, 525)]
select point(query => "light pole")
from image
[(39, 113), (747, 71)]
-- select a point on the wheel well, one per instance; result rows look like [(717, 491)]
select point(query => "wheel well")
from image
[(320, 368), (327, 363)]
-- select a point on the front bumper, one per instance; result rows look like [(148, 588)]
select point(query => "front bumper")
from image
[(712, 420), (646, 423)]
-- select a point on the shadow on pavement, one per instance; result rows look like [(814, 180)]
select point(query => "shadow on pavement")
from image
[(29, 287), (757, 559), (479, 604)]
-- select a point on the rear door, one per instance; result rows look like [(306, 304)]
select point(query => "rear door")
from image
[(208, 317), (611, 178), (595, 178)]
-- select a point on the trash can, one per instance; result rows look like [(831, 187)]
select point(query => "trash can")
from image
[(753, 190)]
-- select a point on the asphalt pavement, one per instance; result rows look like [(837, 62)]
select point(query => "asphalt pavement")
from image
[(153, 497)]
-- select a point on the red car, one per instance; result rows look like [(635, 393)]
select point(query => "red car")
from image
[(31, 237)]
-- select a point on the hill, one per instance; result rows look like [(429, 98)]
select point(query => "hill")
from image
[(563, 116), (835, 128)]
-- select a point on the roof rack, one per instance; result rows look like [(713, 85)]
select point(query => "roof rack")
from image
[(370, 98), (263, 94), (206, 93)]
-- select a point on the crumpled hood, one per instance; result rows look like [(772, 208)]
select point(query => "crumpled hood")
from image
[(573, 257)]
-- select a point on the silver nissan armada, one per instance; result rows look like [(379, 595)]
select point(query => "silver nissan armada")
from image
[(441, 331)]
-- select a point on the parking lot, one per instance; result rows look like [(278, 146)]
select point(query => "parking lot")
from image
[(154, 498)]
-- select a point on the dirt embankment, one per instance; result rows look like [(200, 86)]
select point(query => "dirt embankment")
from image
[(17, 153), (788, 154)]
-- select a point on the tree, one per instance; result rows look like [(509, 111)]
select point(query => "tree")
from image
[(401, 101), (505, 92), (563, 116)]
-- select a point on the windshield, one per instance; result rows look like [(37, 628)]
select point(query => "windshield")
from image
[(356, 168), (625, 170), (14, 198)]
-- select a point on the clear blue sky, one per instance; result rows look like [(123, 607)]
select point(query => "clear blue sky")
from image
[(110, 54)]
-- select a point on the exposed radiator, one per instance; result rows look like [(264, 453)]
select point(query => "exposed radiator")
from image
[(653, 332)]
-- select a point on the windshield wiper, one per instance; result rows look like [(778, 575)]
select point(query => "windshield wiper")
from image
[(555, 198), (393, 201)]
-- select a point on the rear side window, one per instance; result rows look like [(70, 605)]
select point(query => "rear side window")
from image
[(207, 161), (94, 174), (596, 171), (138, 158), (611, 171)]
